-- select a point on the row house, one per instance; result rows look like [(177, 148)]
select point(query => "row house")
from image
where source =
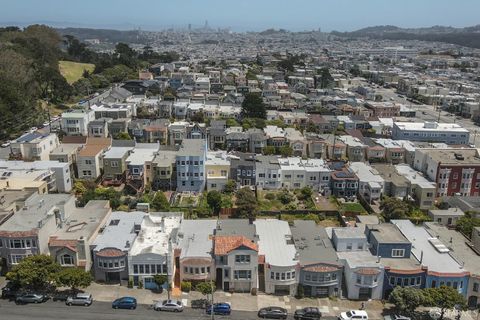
[(297, 173), (382, 109), (242, 168), (356, 150), (268, 172), (216, 134), (139, 166), (89, 158), (190, 163), (115, 111), (75, 122), (217, 167), (421, 190), (344, 183), (149, 131), (164, 169), (115, 165), (456, 172), (370, 184)]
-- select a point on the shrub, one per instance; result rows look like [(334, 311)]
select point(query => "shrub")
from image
[(186, 286), (254, 291), (270, 196), (300, 292), (140, 284), (130, 284)]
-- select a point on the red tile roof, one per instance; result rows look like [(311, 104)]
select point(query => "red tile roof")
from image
[(368, 271), (19, 234), (110, 253), (225, 244)]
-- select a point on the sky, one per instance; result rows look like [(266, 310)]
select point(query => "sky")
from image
[(241, 15)]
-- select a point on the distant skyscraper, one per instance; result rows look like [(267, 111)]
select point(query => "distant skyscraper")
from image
[(206, 24), (189, 27)]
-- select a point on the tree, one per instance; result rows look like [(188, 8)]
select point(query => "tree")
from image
[(326, 79), (230, 186), (122, 136), (205, 288), (35, 272), (160, 280), (286, 151), (355, 71), (198, 117), (246, 203), (393, 208), (214, 200), (269, 150), (253, 106), (444, 298), (306, 192), (74, 278), (406, 299), (466, 224), (231, 122), (160, 202), (286, 197)]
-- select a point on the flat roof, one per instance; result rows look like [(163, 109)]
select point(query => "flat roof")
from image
[(423, 248), (366, 173), (349, 233), (84, 221), (121, 231), (387, 233), (276, 242), (458, 246), (36, 209), (139, 155), (359, 259), (312, 243), (192, 147), (453, 156), (447, 212), (116, 152), (155, 232), (235, 227), (196, 238), (430, 126), (415, 177)]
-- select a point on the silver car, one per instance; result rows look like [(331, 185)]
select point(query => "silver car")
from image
[(169, 305), (80, 299)]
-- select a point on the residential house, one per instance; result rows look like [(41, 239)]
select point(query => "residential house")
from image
[(428, 248), (356, 150), (194, 259), (242, 169), (236, 139), (217, 166), (164, 169), (216, 134), (110, 248), (196, 131), (447, 217), (370, 183), (67, 153), (268, 172), (89, 162), (396, 185), (296, 141), (191, 159), (34, 146), (70, 244), (421, 190), (75, 122), (297, 173), (280, 264), (344, 183), (26, 232), (177, 131), (275, 136), (99, 128), (321, 273), (363, 275), (151, 252), (393, 250), (139, 165), (257, 140), (114, 165)]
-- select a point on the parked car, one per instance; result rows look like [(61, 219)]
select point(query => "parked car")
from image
[(309, 313), (222, 308), (169, 305), (6, 144), (272, 313), (199, 304), (10, 291), (60, 295), (80, 299), (33, 129), (46, 124), (125, 303), (31, 298), (354, 315)]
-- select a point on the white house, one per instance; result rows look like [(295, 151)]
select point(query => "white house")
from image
[(75, 123)]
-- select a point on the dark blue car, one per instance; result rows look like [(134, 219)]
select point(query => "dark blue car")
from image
[(125, 303), (220, 308)]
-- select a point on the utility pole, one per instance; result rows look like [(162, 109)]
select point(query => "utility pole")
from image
[(168, 279)]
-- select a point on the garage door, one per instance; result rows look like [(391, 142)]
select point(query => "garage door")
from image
[(321, 292), (282, 290), (243, 286)]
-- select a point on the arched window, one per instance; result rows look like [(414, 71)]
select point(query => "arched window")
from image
[(67, 260)]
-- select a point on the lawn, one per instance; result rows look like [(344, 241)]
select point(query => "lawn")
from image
[(72, 71), (353, 207)]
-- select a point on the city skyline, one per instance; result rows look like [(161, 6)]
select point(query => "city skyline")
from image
[(341, 15)]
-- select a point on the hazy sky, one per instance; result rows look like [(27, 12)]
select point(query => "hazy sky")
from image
[(241, 15)]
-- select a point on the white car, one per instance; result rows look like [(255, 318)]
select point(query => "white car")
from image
[(33, 129), (5, 144), (55, 118), (46, 124), (354, 315)]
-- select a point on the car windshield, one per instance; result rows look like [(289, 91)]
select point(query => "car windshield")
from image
[(349, 314)]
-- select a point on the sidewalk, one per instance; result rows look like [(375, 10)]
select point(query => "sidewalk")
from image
[(239, 301)]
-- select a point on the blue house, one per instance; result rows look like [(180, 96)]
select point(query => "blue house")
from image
[(191, 165), (393, 250), (442, 269)]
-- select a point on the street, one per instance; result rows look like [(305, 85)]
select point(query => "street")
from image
[(103, 310)]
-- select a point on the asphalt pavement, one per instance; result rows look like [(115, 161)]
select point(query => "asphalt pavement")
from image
[(103, 310)]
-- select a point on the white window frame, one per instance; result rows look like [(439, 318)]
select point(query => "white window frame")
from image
[(398, 253)]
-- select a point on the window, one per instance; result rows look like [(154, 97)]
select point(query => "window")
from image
[(360, 246), (242, 275), (283, 275), (392, 281), (349, 246), (307, 277), (66, 260), (272, 275), (359, 279), (398, 253), (475, 287), (412, 281), (147, 268), (140, 268), (203, 270), (242, 259), (87, 161), (114, 164), (197, 270), (135, 268), (16, 258), (277, 276), (419, 281)]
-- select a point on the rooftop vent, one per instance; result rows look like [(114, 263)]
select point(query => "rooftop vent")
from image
[(459, 156), (438, 245)]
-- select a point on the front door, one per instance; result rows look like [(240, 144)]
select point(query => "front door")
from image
[(365, 293), (113, 277), (219, 278), (226, 286), (472, 302)]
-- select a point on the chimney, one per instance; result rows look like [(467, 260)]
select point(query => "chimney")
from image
[(127, 244), (421, 257), (378, 259)]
